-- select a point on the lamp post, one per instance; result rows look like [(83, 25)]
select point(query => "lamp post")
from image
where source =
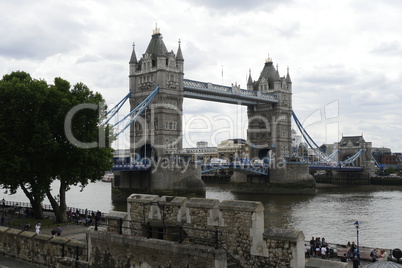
[(357, 234)]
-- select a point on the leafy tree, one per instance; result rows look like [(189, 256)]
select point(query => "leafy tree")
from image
[(35, 146), (390, 170)]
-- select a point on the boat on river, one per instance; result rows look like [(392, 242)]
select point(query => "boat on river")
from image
[(108, 177)]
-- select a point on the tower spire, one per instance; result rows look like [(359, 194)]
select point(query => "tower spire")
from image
[(288, 80), (133, 59), (156, 30), (179, 54), (250, 80)]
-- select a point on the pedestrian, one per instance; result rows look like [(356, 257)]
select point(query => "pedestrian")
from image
[(323, 252), (355, 262), (37, 228), (328, 251), (53, 231), (312, 246), (306, 251), (344, 258), (384, 255), (58, 230), (27, 227), (373, 255)]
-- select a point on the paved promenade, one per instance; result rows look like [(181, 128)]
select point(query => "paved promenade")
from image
[(71, 231)]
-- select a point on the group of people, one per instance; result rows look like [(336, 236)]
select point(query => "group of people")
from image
[(88, 217), (319, 247), (382, 256), (352, 254), (56, 231)]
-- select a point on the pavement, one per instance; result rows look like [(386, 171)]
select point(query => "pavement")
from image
[(70, 231)]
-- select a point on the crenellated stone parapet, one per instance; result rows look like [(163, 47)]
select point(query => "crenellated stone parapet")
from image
[(239, 226)]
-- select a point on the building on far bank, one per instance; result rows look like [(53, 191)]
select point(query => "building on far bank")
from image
[(233, 149), (201, 153), (296, 139)]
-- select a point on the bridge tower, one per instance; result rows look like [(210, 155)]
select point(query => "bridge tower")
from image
[(158, 131), (269, 134), (269, 128)]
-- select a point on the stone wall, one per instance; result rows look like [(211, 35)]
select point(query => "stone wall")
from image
[(119, 251), (239, 225), (41, 249)]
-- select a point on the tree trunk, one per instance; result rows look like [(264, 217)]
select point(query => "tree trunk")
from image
[(59, 206), (36, 202)]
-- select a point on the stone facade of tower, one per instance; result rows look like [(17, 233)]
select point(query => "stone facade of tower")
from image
[(269, 127), (158, 131), (270, 136)]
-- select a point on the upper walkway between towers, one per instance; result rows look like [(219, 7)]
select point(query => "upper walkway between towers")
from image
[(234, 94)]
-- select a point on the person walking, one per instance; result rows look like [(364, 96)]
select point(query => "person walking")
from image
[(58, 230), (373, 255), (384, 255), (355, 262), (323, 252), (37, 228)]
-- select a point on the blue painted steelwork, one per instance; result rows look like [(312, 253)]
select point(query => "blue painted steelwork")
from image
[(351, 159), (138, 110), (219, 93), (262, 169), (117, 107), (338, 168), (326, 160), (131, 167), (317, 150)]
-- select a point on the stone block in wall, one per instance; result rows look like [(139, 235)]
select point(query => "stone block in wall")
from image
[(242, 226), (202, 212), (116, 218), (141, 208), (285, 244), (173, 209)]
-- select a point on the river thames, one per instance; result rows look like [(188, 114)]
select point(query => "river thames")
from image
[(330, 213)]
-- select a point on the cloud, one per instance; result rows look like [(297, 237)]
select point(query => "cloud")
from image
[(88, 58), (392, 48), (239, 5), (41, 30)]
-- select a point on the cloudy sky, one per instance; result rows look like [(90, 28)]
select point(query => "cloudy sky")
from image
[(344, 56)]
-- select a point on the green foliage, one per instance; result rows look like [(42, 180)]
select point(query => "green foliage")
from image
[(34, 147), (390, 170)]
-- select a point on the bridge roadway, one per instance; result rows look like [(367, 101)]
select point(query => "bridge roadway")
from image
[(262, 169), (249, 167), (337, 168)]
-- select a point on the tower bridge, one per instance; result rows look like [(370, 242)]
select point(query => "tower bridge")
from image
[(157, 131)]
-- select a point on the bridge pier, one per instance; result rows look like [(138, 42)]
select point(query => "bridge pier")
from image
[(293, 178), (160, 180)]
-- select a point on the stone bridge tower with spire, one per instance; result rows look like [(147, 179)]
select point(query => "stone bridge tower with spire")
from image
[(269, 136), (269, 128), (157, 132)]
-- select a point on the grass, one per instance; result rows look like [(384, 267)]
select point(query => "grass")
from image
[(20, 222)]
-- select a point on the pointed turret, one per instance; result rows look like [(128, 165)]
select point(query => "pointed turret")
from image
[(133, 59), (269, 73), (277, 76), (156, 46), (250, 83), (288, 80), (250, 80), (179, 55)]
